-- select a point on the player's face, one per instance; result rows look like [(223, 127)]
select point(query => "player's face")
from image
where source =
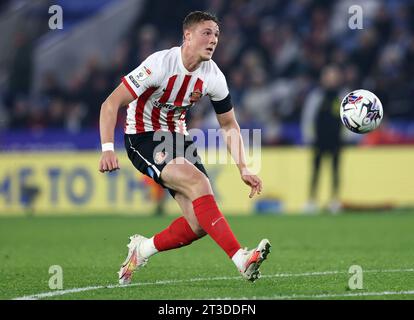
[(203, 39)]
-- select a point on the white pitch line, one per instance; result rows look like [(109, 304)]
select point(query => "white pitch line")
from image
[(164, 282), (315, 296)]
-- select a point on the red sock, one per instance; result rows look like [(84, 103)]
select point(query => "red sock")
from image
[(178, 234), (215, 224)]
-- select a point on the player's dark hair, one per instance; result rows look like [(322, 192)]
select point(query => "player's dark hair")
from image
[(198, 16)]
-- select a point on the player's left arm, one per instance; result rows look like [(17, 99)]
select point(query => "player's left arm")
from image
[(223, 106), (235, 146)]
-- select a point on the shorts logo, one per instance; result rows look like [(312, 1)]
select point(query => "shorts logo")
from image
[(160, 157), (195, 95), (142, 73)]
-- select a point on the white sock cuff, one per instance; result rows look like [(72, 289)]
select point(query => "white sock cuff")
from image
[(238, 258), (148, 248)]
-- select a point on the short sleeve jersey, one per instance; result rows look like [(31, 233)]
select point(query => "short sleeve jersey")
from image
[(164, 90)]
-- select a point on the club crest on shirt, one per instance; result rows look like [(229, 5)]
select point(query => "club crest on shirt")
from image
[(195, 95), (160, 157)]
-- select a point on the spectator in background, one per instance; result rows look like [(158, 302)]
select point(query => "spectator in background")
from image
[(272, 48), (21, 68), (322, 127), (19, 114)]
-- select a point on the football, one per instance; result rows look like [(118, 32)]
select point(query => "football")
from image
[(361, 111)]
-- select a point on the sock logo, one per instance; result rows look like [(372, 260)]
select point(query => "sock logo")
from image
[(214, 222)]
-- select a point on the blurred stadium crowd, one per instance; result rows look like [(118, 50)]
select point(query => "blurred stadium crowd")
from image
[(272, 53)]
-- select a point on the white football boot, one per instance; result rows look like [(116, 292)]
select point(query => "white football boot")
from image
[(253, 259), (133, 261)]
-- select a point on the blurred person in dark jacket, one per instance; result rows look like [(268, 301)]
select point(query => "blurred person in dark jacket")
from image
[(321, 127)]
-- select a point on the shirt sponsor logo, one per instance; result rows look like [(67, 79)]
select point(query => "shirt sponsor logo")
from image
[(157, 104)]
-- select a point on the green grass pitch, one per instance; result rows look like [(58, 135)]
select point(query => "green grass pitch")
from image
[(310, 258)]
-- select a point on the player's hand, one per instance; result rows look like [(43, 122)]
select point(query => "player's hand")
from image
[(109, 162), (252, 181)]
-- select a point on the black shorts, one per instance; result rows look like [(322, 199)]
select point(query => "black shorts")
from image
[(150, 152)]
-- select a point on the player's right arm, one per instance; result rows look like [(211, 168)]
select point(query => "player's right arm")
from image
[(121, 96), (135, 83)]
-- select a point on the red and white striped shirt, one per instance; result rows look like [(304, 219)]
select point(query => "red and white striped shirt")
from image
[(164, 90)]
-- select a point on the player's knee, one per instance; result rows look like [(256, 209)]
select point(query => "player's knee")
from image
[(197, 177), (198, 184)]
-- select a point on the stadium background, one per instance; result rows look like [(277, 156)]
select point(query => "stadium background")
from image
[(53, 82)]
